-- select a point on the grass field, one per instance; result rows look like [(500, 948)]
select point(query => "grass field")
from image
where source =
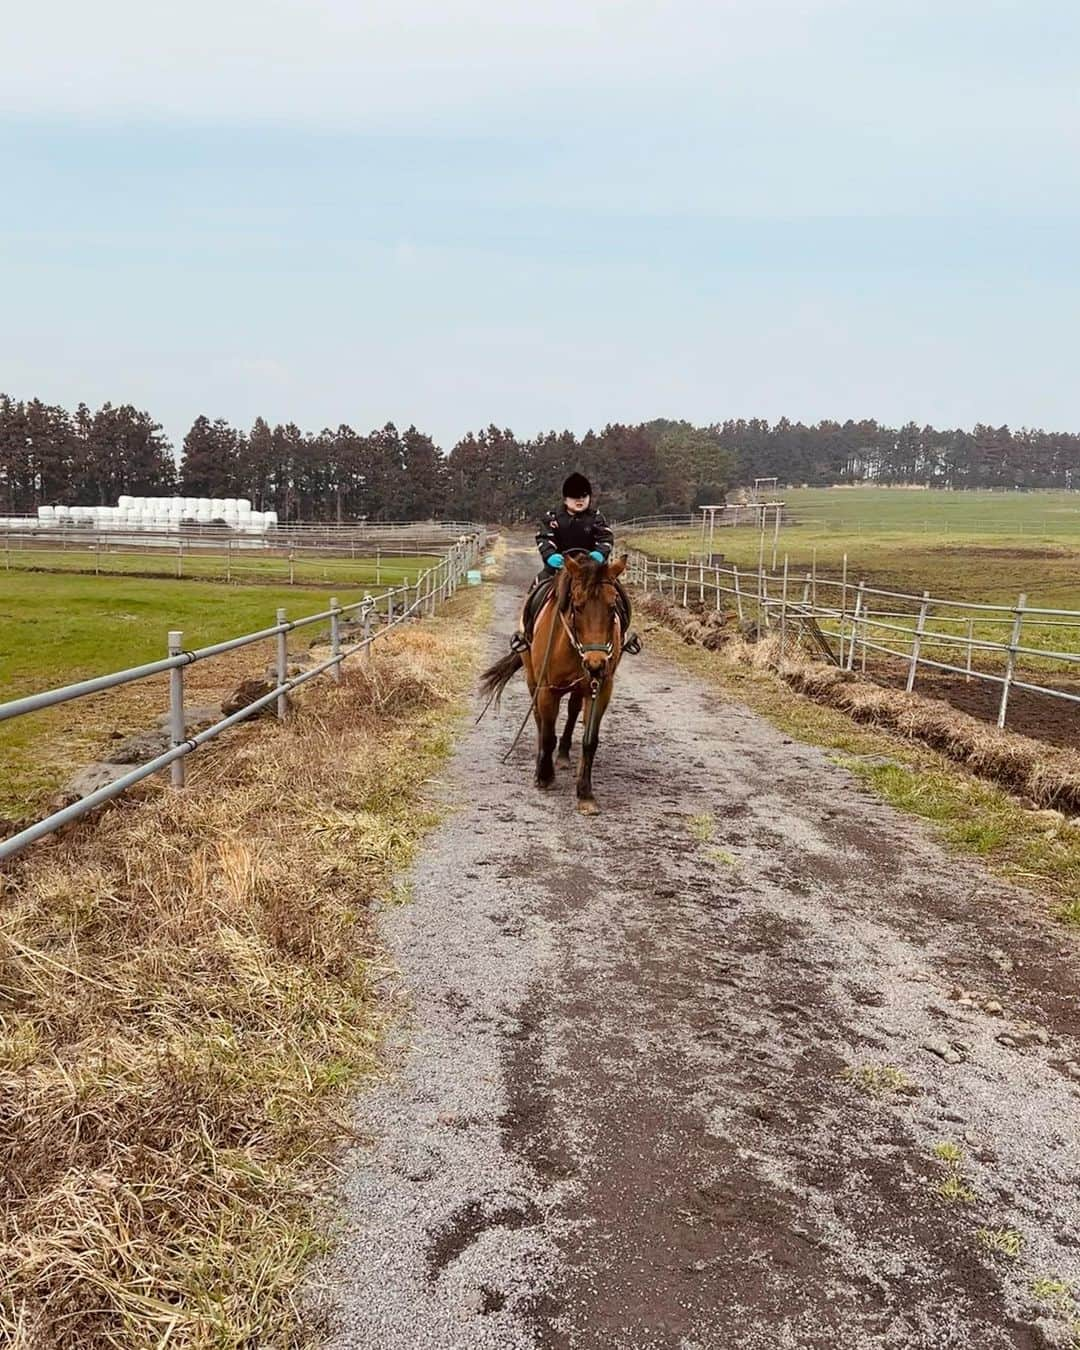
[(982, 547), (977, 546), (56, 629), (240, 566)]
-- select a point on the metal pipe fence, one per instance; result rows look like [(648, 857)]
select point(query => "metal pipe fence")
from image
[(393, 608), (230, 557), (847, 620)]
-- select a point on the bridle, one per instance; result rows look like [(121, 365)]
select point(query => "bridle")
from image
[(608, 648), (595, 681)]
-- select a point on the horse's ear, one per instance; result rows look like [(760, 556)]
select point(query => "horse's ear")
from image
[(572, 566), (617, 568)]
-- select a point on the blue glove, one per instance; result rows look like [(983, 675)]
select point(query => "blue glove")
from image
[(596, 555), (555, 560)]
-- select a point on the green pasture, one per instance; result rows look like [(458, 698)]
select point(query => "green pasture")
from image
[(984, 547), (56, 629), (853, 511), (241, 566)]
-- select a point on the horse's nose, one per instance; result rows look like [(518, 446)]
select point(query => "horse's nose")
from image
[(595, 663)]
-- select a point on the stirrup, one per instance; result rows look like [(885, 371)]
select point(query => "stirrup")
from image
[(632, 645), (519, 643)]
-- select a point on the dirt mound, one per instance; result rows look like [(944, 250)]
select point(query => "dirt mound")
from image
[(1048, 775)]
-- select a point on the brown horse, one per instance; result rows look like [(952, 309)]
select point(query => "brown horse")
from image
[(575, 649)]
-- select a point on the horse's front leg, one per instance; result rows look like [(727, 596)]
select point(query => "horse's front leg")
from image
[(562, 759), (593, 717), (547, 709)]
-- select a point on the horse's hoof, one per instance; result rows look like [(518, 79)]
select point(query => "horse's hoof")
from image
[(562, 761), (544, 784), (587, 806)]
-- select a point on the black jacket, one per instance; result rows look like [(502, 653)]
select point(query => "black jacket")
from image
[(560, 532)]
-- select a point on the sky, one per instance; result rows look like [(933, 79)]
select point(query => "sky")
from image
[(543, 215)]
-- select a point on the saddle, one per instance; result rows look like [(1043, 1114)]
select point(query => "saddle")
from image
[(544, 589)]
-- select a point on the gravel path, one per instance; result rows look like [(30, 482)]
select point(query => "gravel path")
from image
[(674, 1076)]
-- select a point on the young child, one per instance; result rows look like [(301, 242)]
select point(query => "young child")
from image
[(574, 525)]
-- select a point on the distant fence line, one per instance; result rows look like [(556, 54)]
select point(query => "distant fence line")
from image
[(844, 620), (432, 587), (228, 558), (312, 531), (794, 517)]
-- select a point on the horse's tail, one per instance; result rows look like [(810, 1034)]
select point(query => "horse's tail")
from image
[(495, 679)]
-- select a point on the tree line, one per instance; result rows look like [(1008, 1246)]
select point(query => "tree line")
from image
[(48, 455)]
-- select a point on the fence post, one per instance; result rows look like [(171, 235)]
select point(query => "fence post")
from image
[(1010, 660), (783, 614), (378, 566), (843, 608), (335, 638), (176, 709), (180, 557), (686, 582), (701, 581), (282, 664), (776, 537), (859, 596), (971, 638), (389, 606), (920, 628), (738, 593), (292, 567), (716, 578), (365, 654)]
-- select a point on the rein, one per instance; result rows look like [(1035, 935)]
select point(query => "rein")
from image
[(595, 682)]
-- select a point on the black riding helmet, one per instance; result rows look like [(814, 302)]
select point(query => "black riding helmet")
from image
[(577, 485)]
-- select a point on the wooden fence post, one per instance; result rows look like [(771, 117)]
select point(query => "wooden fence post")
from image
[(738, 592), (843, 608), (783, 614), (920, 628), (701, 581), (1010, 660), (859, 596), (686, 582), (970, 639), (716, 578)]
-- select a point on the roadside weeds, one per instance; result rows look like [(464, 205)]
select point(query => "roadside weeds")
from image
[(188, 991), (1035, 846)]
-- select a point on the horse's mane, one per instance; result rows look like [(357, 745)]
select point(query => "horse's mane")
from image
[(591, 576)]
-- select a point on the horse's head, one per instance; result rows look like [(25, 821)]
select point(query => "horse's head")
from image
[(593, 601)]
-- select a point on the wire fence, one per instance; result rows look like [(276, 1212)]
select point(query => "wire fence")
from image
[(376, 616), (847, 622)]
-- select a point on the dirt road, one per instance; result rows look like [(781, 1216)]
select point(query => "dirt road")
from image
[(694, 1073)]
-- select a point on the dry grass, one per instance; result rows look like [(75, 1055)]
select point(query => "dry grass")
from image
[(1049, 776), (186, 986)]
